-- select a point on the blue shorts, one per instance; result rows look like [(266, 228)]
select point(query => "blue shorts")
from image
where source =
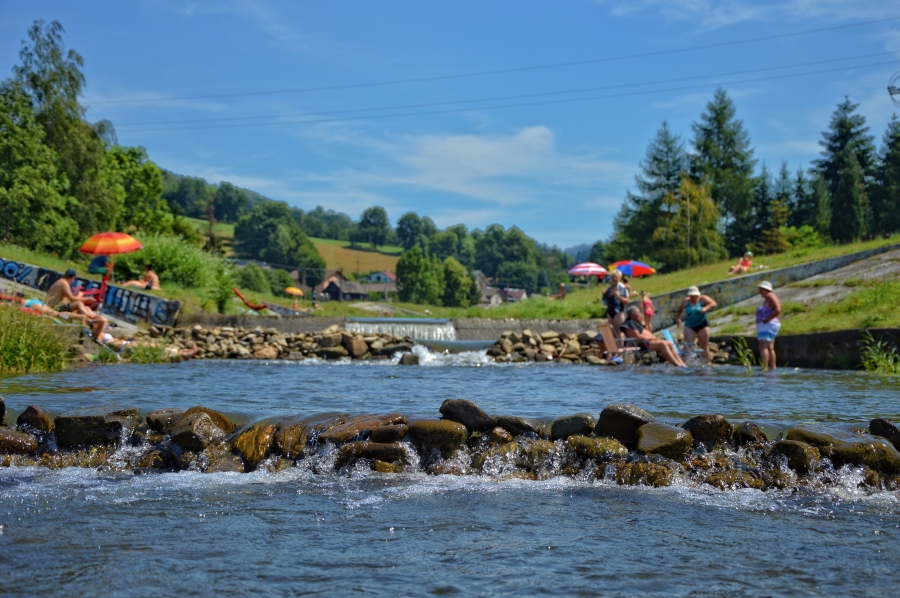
[(767, 332)]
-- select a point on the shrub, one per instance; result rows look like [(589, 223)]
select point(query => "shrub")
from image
[(253, 278), (279, 280), (29, 343), (173, 259)]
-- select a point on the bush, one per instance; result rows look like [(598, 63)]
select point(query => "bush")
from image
[(279, 280), (30, 343), (253, 278), (173, 259), (804, 236)]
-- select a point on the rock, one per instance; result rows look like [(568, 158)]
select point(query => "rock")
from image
[(473, 417), (385, 467), (844, 448), (91, 427), (445, 435), (506, 346), (546, 336), (661, 439), (516, 425), (500, 436), (571, 425), (534, 454), (801, 457), (409, 359), (36, 418), (885, 429), (219, 460), (711, 430), (381, 451), (2, 411), (389, 433), (359, 427), (219, 419), (594, 360), (621, 422), (266, 352), (597, 448), (162, 419), (16, 443), (732, 479), (642, 473), (336, 352), (547, 349), (195, 431), (357, 347), (389, 350), (293, 433), (253, 444), (748, 433), (331, 340)]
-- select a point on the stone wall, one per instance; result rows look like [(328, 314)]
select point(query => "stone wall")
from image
[(733, 290)]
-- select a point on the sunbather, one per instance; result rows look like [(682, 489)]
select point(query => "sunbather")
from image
[(743, 265), (61, 298), (632, 328), (149, 281)]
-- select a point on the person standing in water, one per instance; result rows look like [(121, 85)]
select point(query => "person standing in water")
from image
[(767, 324), (696, 324)]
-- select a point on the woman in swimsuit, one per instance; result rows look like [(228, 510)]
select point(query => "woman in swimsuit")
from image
[(647, 308), (696, 325), (767, 324), (743, 265)]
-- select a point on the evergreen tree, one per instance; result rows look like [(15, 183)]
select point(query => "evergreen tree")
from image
[(597, 254), (724, 158), (761, 208), (803, 210), (886, 195), (822, 202), (689, 229), (848, 219), (773, 239)]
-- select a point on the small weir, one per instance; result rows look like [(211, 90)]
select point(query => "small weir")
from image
[(424, 329)]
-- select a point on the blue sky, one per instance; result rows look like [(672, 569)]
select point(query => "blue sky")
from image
[(558, 170)]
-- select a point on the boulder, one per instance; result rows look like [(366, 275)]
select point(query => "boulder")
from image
[(641, 473), (16, 443), (500, 436), (621, 422), (661, 439), (534, 453), (359, 427), (597, 448), (92, 427), (389, 433), (389, 350), (385, 467), (336, 352), (549, 335), (748, 433), (357, 347), (442, 434), (594, 360), (253, 444), (217, 459), (381, 451), (844, 448), (801, 457), (266, 352), (162, 419), (2, 411), (194, 432), (331, 340), (36, 418), (885, 429), (473, 417), (516, 425), (409, 359), (711, 430), (579, 424), (219, 419), (293, 433), (732, 479)]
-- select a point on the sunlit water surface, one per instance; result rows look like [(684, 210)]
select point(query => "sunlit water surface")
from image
[(80, 531)]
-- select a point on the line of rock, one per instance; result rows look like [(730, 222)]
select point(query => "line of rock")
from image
[(624, 443)]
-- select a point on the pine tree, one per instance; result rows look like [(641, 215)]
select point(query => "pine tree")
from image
[(803, 210), (886, 195), (847, 223), (725, 159), (822, 201), (761, 209), (773, 239)]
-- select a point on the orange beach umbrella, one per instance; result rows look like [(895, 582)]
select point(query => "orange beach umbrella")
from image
[(110, 244), (294, 291)]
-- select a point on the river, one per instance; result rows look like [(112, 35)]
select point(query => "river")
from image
[(77, 531)]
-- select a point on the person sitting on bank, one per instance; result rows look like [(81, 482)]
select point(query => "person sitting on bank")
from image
[(149, 281), (561, 294), (743, 265), (101, 265), (61, 298), (632, 328), (696, 324)]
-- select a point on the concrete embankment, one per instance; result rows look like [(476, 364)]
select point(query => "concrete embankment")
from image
[(623, 443)]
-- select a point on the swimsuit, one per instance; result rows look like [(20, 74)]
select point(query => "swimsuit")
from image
[(766, 331), (694, 317), (648, 308)]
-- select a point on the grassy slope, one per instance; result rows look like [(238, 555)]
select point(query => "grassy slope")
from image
[(873, 305)]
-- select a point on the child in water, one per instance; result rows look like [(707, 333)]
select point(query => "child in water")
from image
[(647, 310)]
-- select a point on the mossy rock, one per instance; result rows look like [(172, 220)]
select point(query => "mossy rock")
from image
[(253, 443), (597, 448), (441, 434), (843, 448), (665, 440), (293, 433)]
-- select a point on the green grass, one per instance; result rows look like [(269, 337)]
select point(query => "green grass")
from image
[(868, 307), (730, 329), (879, 356), (220, 228), (736, 310), (30, 343), (822, 282), (147, 353)]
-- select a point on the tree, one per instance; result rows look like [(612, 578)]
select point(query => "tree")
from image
[(230, 202), (444, 244), (773, 239), (689, 228), (139, 183), (725, 159), (409, 231), (886, 195), (488, 250), (822, 220), (253, 278), (189, 195), (847, 198), (457, 284), (374, 226), (279, 280), (596, 254), (419, 277), (760, 213)]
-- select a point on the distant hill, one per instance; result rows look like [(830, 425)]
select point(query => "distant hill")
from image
[(579, 252)]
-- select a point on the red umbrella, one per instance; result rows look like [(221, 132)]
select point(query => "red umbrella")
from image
[(588, 269), (633, 268), (109, 244)]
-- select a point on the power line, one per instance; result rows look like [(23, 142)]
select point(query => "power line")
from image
[(503, 98), (515, 105), (501, 71)]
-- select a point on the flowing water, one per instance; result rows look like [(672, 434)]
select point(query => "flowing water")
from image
[(99, 532), (431, 329)]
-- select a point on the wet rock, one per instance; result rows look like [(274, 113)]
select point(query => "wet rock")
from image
[(359, 427), (2, 411), (500, 436), (597, 448), (266, 352), (640, 473), (885, 429), (409, 359), (253, 444), (534, 454), (36, 418), (162, 419), (801, 457), (516, 425), (219, 419), (732, 479), (579, 424), (380, 451), (389, 350), (442, 434), (155, 459), (218, 460), (293, 433), (194, 432), (594, 360), (711, 430), (389, 433), (622, 422), (661, 439), (748, 433), (385, 467), (16, 443), (332, 352), (357, 347), (473, 417), (90, 427), (843, 448)]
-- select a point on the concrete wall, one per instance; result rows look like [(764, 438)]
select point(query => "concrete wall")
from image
[(838, 349), (292, 325), (733, 290), (472, 329)]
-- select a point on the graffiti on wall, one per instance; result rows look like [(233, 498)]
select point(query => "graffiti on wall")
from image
[(119, 302)]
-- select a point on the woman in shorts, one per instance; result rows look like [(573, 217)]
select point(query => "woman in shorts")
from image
[(767, 324), (696, 325)]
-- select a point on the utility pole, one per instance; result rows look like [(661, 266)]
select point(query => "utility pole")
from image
[(341, 285), (688, 198)]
